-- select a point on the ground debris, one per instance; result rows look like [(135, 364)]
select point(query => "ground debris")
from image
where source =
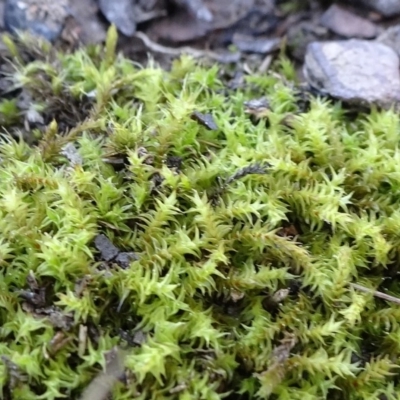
[(109, 252), (35, 298), (59, 340), (257, 107), (100, 387), (249, 170), (222, 57), (282, 352), (261, 45), (277, 366), (36, 295), (206, 120), (123, 259), (72, 154), (57, 317), (15, 375)]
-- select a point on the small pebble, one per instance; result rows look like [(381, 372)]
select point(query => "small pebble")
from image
[(107, 250), (123, 259), (207, 120), (355, 71), (258, 107)]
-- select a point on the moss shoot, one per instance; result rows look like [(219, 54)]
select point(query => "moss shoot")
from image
[(240, 241)]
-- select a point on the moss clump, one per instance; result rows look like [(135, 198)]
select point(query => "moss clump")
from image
[(246, 238)]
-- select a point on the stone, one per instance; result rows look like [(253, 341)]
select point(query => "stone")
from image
[(345, 23), (121, 13), (124, 259), (206, 120), (92, 27), (391, 37), (106, 248), (388, 8), (354, 71), (45, 18)]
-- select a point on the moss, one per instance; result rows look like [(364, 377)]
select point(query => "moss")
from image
[(246, 238)]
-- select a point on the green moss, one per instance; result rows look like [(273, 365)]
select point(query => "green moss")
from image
[(247, 237)]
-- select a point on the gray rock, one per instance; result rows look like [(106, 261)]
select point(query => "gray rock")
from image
[(388, 8), (345, 23), (92, 27), (355, 71), (106, 248), (44, 18), (391, 37), (121, 13), (125, 258)]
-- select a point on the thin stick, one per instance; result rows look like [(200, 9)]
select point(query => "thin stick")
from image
[(158, 48), (375, 293), (102, 384)]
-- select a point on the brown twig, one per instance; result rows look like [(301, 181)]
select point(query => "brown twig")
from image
[(196, 53), (102, 384), (375, 293)]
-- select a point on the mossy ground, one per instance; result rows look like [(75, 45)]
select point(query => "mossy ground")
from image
[(248, 237)]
